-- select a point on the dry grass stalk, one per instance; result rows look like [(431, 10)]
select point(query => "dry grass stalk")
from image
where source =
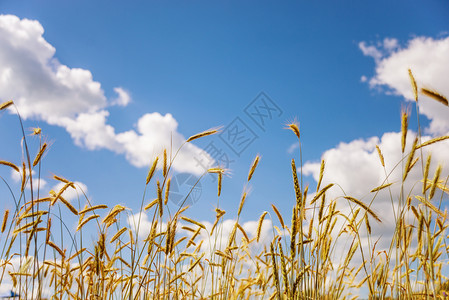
[(322, 205), (321, 192), (92, 208), (296, 186), (151, 204), (22, 186), (68, 205), (60, 178), (278, 214), (76, 254), (364, 206), (294, 126), (243, 232), (39, 154), (192, 239), (381, 157), (414, 85), (220, 213), (368, 226), (110, 218), (36, 131), (202, 134), (433, 141), (309, 234), (426, 173), (26, 226), (320, 178), (47, 236), (275, 270), (409, 164), (220, 179), (253, 167), (80, 225), (434, 95), (232, 235), (404, 128), (32, 214), (196, 262), (164, 168), (54, 246), (413, 163), (6, 104), (193, 222), (152, 170), (61, 191), (167, 191), (160, 200), (434, 182), (10, 164), (383, 186), (430, 205), (294, 231), (242, 202), (284, 270), (259, 225), (5, 220), (118, 234)]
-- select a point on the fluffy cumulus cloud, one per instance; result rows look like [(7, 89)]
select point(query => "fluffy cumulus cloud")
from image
[(123, 97), (45, 89), (357, 169), (428, 59)]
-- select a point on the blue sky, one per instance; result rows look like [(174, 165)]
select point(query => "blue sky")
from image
[(340, 68)]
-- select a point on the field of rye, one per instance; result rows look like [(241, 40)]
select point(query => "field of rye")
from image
[(176, 261)]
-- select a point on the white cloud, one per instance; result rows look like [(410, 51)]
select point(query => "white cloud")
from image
[(154, 133), (370, 51), (140, 221), (41, 86), (390, 44), (44, 89), (17, 177), (428, 59), (91, 131), (293, 147), (123, 97)]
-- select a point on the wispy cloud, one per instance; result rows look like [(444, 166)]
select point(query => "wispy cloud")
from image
[(293, 147)]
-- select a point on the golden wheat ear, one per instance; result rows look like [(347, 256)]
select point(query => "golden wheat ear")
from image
[(435, 95), (203, 134), (6, 104)]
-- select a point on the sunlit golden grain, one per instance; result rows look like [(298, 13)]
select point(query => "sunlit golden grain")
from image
[(187, 261), (434, 95), (5, 220), (202, 134)]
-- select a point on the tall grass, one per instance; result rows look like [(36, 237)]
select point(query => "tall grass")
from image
[(182, 258)]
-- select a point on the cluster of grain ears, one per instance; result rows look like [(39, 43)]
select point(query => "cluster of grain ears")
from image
[(182, 258)]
